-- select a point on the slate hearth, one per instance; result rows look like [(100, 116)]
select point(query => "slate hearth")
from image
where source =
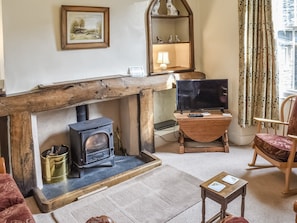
[(55, 195), (91, 175)]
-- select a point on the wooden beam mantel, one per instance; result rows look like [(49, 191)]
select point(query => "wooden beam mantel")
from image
[(63, 95), (20, 107)]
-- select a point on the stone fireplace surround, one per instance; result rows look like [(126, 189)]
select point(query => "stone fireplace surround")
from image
[(20, 110)]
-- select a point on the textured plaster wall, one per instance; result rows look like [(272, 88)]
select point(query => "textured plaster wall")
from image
[(32, 52), (33, 56), (220, 50)]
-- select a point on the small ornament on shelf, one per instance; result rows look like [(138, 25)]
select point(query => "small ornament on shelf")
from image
[(171, 9), (177, 39), (170, 39), (159, 40), (155, 10)]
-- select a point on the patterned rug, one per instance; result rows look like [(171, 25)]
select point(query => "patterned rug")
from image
[(155, 196)]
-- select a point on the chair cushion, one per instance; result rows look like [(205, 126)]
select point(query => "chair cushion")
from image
[(275, 146)]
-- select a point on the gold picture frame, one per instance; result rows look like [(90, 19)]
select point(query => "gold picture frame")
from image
[(84, 27)]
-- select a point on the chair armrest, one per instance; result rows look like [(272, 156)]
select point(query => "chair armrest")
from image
[(2, 165), (271, 121), (293, 137)]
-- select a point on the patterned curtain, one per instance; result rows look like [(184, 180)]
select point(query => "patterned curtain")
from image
[(258, 80)]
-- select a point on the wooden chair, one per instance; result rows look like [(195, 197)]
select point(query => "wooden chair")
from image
[(2, 165), (278, 144)]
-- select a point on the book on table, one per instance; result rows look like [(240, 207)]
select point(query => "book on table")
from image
[(216, 186), (230, 179)]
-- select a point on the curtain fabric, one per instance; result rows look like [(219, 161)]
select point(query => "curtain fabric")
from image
[(258, 80)]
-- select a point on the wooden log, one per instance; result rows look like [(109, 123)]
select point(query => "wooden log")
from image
[(62, 95), (22, 157), (56, 97), (147, 121)]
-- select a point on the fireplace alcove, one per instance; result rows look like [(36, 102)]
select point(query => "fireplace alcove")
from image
[(86, 176), (20, 111)]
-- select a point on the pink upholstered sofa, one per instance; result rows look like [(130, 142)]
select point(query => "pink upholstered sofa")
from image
[(13, 207)]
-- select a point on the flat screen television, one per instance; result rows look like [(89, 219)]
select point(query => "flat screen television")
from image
[(202, 94)]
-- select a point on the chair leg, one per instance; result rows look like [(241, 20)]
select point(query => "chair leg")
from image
[(287, 190), (287, 180), (254, 159)]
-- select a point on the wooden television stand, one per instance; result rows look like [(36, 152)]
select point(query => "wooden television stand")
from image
[(206, 129)]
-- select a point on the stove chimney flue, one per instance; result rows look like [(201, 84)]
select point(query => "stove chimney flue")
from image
[(82, 113)]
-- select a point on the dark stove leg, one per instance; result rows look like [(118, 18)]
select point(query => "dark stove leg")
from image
[(74, 172)]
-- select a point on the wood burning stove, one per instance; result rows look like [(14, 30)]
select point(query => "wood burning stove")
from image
[(91, 143)]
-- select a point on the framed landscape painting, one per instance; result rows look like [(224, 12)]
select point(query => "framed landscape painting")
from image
[(84, 27)]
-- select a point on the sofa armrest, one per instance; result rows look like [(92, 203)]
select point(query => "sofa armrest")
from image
[(13, 207), (2, 165)]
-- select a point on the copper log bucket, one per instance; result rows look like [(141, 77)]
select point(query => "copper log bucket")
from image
[(54, 164)]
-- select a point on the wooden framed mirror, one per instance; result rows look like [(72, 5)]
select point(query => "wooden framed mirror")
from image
[(170, 37)]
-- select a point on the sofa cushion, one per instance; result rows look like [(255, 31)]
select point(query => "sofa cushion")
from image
[(274, 146), (18, 213), (13, 207), (9, 192)]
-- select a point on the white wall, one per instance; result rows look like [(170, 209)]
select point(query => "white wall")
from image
[(220, 41), (32, 43), (33, 56)]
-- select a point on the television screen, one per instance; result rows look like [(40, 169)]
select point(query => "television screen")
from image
[(202, 94)]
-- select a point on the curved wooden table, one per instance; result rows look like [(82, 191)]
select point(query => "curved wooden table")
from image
[(204, 129)]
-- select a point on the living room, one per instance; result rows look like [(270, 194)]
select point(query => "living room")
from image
[(32, 59)]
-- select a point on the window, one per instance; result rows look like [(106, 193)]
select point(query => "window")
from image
[(285, 26)]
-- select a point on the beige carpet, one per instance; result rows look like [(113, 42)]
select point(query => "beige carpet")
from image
[(156, 196), (264, 201)]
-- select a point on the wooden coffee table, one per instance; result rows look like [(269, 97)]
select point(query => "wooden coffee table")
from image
[(223, 197)]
